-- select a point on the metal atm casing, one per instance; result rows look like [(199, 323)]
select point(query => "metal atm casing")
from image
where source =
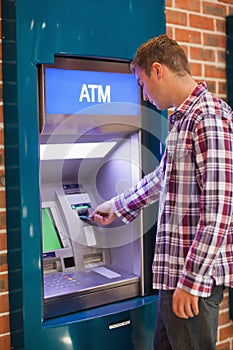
[(97, 265), (33, 33)]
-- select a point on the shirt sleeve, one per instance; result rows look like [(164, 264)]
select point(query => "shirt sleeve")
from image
[(214, 161), (147, 191)]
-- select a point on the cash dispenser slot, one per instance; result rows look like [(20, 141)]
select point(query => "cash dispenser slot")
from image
[(52, 265), (58, 264), (92, 260)]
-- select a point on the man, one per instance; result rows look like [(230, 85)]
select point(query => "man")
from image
[(193, 258)]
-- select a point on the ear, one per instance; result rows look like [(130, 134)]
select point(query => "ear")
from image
[(157, 69)]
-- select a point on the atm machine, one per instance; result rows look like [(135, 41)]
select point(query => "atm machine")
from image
[(90, 150)]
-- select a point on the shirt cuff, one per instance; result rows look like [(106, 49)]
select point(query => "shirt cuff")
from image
[(122, 210), (196, 284)]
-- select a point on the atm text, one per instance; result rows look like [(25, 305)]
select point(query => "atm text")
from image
[(95, 93)]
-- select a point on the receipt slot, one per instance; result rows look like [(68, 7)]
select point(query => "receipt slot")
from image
[(90, 150)]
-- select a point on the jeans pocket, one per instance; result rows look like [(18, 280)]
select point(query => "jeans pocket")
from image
[(216, 296)]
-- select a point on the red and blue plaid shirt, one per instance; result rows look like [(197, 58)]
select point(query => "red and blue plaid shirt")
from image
[(194, 186)]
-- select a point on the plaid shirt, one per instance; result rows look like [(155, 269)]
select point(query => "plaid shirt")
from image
[(194, 186)]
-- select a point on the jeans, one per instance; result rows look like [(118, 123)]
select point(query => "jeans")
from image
[(197, 333)]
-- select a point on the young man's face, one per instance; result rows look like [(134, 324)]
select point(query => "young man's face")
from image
[(152, 87)]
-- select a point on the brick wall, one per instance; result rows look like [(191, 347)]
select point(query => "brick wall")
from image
[(4, 304), (199, 26)]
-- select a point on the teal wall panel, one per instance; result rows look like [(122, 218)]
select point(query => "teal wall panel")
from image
[(33, 31)]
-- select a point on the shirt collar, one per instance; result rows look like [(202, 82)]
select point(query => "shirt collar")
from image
[(188, 104)]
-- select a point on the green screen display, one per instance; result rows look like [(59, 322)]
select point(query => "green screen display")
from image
[(50, 235)]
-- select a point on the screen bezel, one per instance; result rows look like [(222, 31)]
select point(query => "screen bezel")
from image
[(130, 123), (59, 228)]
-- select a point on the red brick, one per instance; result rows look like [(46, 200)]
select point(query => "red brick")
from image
[(2, 199), (222, 88), (227, 1), (214, 40), (225, 303), (2, 219), (221, 25), (4, 282), (214, 9), (230, 9), (187, 35), (169, 32), (3, 242), (214, 72), (1, 136), (4, 324), (221, 56), (3, 263), (168, 3), (201, 22), (224, 346), (2, 178), (191, 5), (196, 69), (211, 86), (1, 114), (176, 17), (200, 53), (2, 160), (4, 303), (226, 332), (5, 342), (224, 318)]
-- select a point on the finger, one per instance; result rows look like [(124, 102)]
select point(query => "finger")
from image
[(182, 313), (98, 218), (179, 309), (93, 214), (188, 310), (195, 306), (101, 218)]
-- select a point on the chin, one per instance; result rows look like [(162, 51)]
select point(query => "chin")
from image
[(161, 107)]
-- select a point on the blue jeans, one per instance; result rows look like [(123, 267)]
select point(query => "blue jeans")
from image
[(197, 333)]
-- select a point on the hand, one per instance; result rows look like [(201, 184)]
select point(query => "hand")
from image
[(184, 304), (104, 214)]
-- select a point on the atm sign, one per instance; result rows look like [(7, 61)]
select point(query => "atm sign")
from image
[(95, 93), (90, 92)]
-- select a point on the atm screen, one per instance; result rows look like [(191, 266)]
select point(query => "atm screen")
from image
[(90, 86), (72, 88), (90, 92), (50, 236)]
